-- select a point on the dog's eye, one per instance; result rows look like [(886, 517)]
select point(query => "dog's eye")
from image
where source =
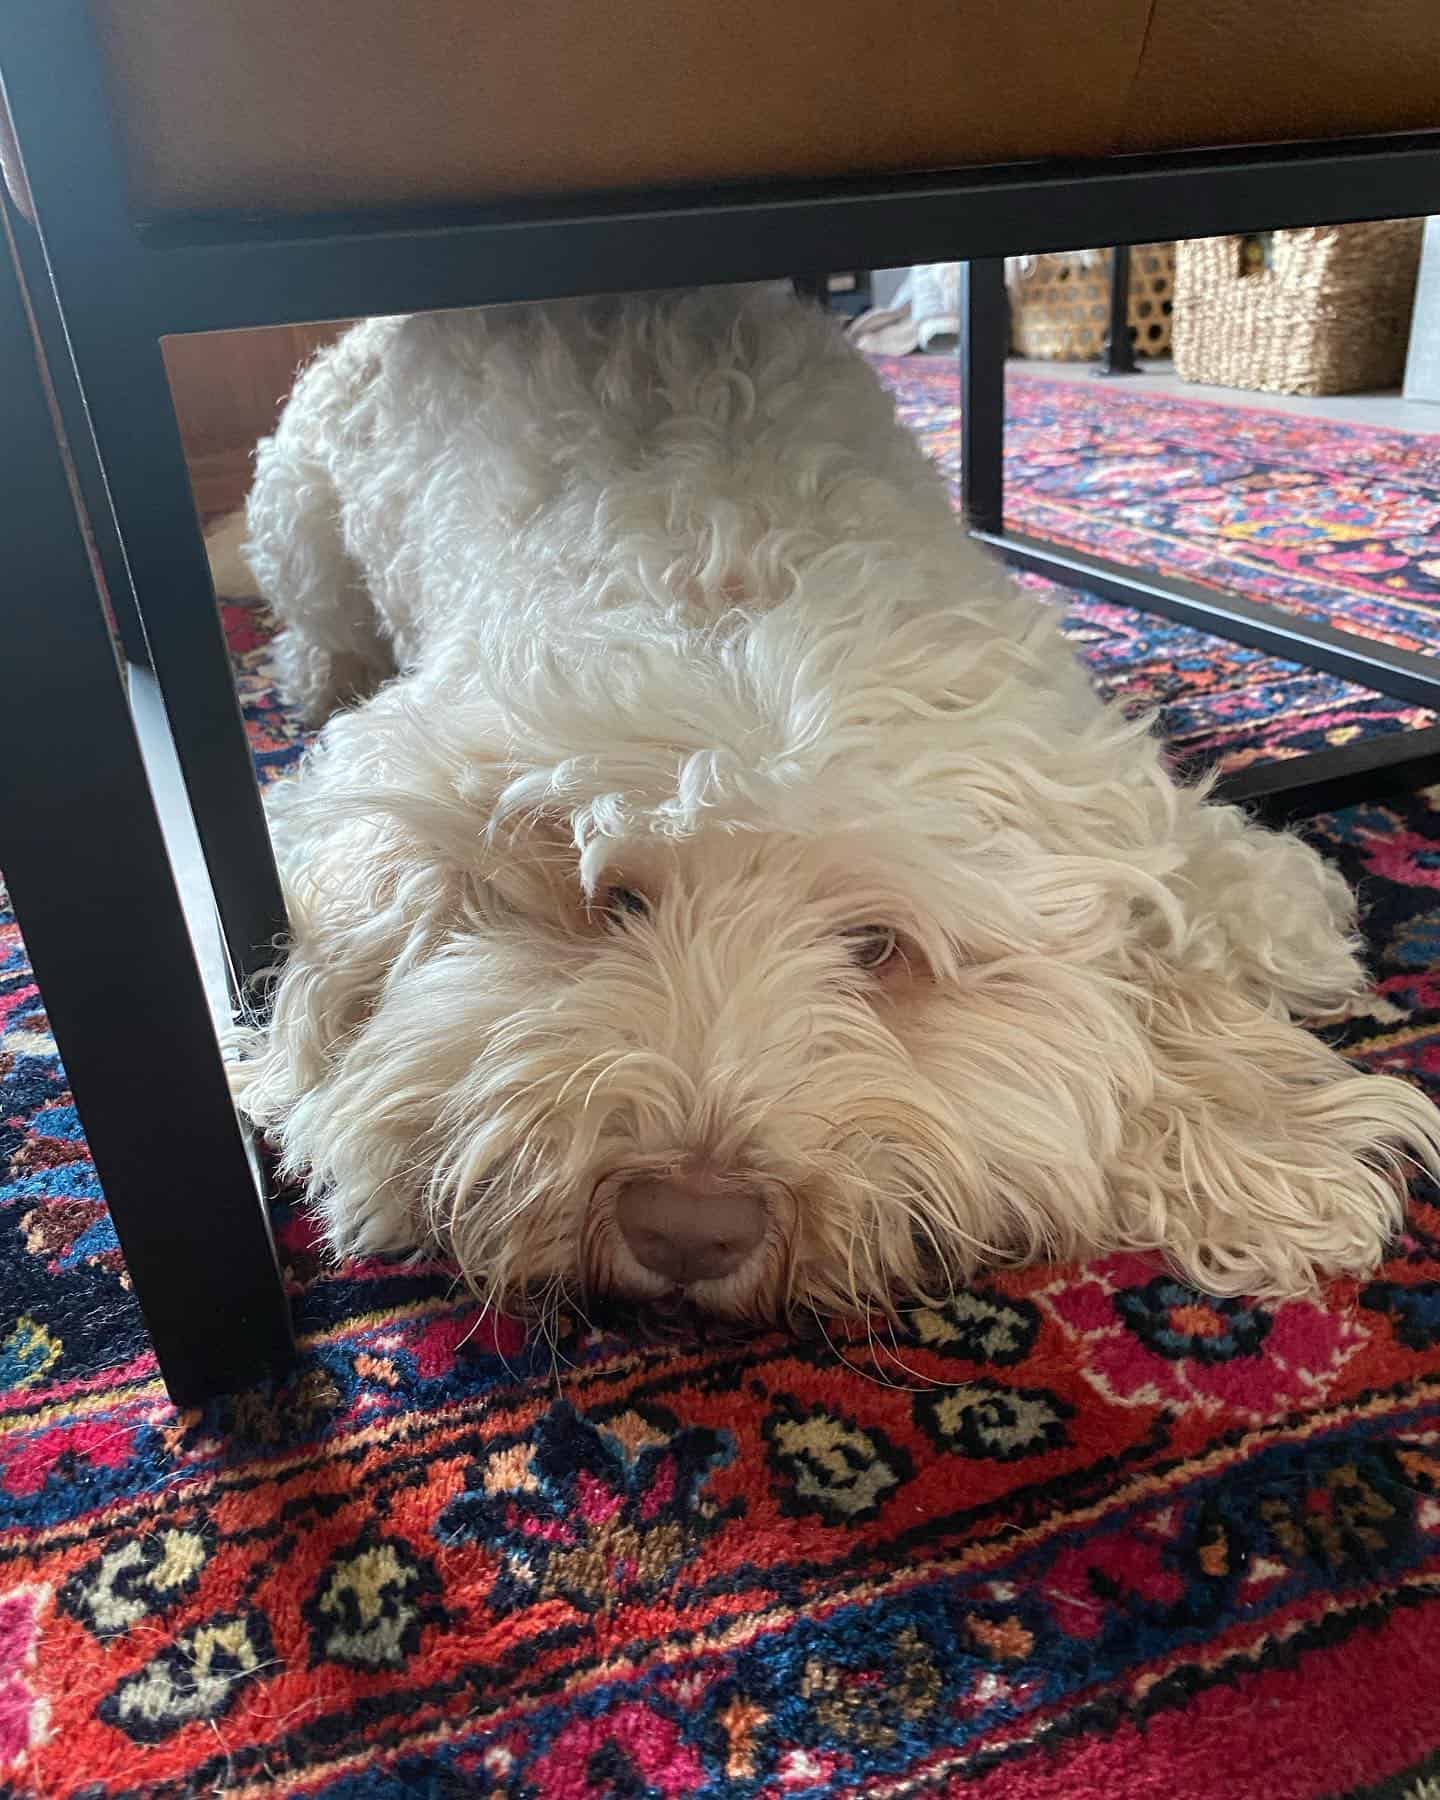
[(871, 946), (620, 901)]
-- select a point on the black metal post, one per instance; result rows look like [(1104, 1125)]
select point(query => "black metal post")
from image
[(97, 903), (1119, 351), (106, 290), (1285, 790), (84, 460), (1311, 643), (213, 274), (984, 342)]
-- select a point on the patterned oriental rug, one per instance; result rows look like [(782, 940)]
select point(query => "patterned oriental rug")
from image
[(1333, 522), (1080, 1533)]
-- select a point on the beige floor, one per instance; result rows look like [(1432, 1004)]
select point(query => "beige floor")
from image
[(1159, 377)]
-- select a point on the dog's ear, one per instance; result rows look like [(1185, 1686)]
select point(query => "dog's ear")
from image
[(382, 850), (364, 904)]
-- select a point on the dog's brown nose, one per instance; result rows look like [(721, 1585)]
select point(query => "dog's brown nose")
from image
[(690, 1227)]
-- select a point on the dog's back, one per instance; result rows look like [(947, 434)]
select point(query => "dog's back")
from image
[(531, 468)]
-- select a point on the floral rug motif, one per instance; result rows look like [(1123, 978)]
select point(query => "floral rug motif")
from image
[(1079, 1532)]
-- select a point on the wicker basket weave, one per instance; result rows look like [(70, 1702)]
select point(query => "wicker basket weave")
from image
[(1324, 310), (1060, 302)]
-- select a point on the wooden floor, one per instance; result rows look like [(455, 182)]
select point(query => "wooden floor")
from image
[(1389, 409)]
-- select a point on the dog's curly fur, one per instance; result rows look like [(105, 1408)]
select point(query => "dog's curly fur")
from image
[(663, 672)]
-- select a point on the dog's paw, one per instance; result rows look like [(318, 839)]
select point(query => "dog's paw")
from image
[(1267, 1162)]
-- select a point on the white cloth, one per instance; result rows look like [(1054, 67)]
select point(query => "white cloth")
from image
[(924, 315)]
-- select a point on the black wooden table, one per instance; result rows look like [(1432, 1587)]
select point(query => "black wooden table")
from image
[(96, 899)]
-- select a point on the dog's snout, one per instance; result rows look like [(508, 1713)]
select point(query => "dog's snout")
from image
[(690, 1227)]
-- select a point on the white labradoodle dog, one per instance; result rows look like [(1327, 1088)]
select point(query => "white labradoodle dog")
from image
[(716, 877)]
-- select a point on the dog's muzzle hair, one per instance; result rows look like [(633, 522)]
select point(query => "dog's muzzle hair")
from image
[(715, 878)]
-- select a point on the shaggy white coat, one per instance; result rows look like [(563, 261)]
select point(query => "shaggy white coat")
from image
[(654, 601)]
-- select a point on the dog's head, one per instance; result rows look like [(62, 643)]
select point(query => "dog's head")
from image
[(798, 979)]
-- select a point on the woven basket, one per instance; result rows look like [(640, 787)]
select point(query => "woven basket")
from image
[(1060, 303), (1325, 310)]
